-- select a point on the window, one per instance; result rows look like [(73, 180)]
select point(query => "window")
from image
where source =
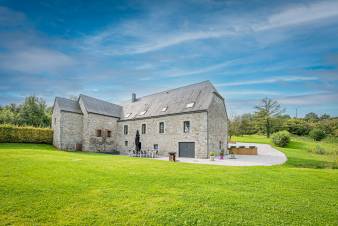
[(125, 129), (190, 105), (220, 145), (144, 128), (98, 133), (155, 146), (164, 109), (126, 143), (161, 127), (127, 115), (142, 113), (108, 133), (186, 126)]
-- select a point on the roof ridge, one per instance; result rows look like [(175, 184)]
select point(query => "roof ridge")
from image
[(99, 100), (181, 87)]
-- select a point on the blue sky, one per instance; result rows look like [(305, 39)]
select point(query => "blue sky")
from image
[(286, 50)]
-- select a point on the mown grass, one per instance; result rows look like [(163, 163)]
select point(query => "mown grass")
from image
[(42, 186), (301, 151)]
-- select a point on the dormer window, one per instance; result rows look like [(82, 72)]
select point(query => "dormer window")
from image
[(142, 112), (164, 109), (190, 105), (127, 115)]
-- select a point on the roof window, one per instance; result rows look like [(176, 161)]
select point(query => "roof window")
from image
[(190, 105), (164, 109), (127, 115), (142, 112)]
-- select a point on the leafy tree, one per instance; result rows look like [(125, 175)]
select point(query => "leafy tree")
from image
[(267, 110), (298, 126), (325, 116), (247, 124), (33, 112), (7, 116), (234, 127), (311, 117)]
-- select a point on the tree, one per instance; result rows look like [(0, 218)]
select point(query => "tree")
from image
[(33, 112), (311, 117), (325, 116), (266, 111), (234, 127)]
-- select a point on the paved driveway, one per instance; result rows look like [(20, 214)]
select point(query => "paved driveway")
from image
[(267, 156)]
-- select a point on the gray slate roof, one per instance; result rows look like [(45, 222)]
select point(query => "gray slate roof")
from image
[(97, 106), (68, 105), (175, 100)]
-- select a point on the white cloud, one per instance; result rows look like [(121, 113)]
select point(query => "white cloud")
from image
[(34, 60), (181, 73), (311, 99), (267, 81), (148, 36), (300, 14)]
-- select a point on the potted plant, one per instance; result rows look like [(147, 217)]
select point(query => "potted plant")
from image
[(212, 156)]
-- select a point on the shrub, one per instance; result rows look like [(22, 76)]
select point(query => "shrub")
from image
[(16, 134), (318, 150), (298, 127), (212, 153), (317, 134), (281, 138)]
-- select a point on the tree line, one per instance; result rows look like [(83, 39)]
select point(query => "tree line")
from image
[(269, 118), (33, 112)]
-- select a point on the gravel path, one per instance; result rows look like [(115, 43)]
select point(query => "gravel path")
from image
[(267, 156)]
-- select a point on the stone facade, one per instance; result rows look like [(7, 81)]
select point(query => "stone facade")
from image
[(67, 127), (173, 133), (76, 126), (217, 125)]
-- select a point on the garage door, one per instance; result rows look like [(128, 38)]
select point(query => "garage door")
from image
[(186, 149)]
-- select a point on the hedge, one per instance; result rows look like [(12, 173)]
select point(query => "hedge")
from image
[(17, 134)]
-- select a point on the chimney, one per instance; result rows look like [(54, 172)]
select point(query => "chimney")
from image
[(133, 97)]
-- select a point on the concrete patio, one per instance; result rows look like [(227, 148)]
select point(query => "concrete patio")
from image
[(267, 156)]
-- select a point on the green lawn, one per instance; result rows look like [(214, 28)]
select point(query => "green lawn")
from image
[(300, 151), (42, 186)]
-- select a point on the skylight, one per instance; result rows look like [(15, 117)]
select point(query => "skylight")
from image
[(142, 113), (127, 115), (190, 105), (164, 109)]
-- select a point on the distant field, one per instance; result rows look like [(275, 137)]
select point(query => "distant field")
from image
[(42, 186)]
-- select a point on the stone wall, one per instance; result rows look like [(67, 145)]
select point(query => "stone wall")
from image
[(217, 125), (71, 130), (173, 133), (56, 119), (67, 129), (93, 122)]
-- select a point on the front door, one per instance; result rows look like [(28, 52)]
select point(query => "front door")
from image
[(186, 149)]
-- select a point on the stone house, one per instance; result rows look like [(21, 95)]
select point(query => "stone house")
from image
[(189, 120)]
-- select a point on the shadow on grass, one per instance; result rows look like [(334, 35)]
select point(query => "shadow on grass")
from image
[(21, 146)]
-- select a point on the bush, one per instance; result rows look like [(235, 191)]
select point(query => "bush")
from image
[(298, 127), (318, 150), (317, 134), (281, 138), (16, 134)]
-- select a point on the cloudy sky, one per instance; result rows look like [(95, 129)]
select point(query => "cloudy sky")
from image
[(286, 50)]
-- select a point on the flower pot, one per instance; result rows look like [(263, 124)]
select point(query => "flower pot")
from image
[(212, 158)]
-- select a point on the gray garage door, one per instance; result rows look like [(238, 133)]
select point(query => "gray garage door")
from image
[(186, 149)]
